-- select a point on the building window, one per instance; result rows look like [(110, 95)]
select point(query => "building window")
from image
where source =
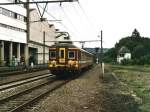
[(12, 28), (12, 1), (15, 15), (52, 54), (121, 55), (12, 14)]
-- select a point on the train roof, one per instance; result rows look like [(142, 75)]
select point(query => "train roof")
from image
[(69, 45), (63, 45)]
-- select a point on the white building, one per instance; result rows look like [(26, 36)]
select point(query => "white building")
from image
[(123, 53), (12, 31), (38, 29)]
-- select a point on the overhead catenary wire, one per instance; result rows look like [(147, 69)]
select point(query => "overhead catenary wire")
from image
[(79, 15), (46, 11), (80, 41), (66, 27), (50, 15), (84, 12), (82, 9), (56, 19), (42, 1), (65, 14)]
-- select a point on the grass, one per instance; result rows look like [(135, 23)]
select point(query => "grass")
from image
[(138, 79)]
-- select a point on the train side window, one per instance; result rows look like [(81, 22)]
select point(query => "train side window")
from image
[(52, 54), (71, 54)]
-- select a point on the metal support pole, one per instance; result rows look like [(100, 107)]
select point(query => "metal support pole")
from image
[(28, 21), (44, 47), (102, 64), (101, 48), (27, 34)]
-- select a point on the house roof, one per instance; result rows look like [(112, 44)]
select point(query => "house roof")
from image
[(124, 50)]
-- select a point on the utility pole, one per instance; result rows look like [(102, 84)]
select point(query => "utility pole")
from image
[(102, 64), (27, 33), (44, 47), (101, 47), (28, 21)]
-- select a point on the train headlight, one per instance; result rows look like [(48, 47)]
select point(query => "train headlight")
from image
[(53, 63), (70, 62)]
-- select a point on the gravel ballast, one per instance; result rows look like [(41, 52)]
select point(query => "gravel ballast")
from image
[(88, 93)]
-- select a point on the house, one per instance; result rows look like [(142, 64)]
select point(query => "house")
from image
[(123, 53)]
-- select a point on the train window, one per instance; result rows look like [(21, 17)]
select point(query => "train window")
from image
[(71, 54), (52, 54), (61, 53)]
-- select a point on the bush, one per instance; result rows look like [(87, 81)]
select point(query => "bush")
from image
[(126, 62)]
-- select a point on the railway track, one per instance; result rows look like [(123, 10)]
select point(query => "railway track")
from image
[(22, 81), (15, 78), (14, 71), (16, 102)]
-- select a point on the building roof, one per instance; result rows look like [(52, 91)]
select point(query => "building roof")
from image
[(124, 50)]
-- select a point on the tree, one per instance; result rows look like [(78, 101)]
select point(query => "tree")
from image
[(138, 51), (110, 55), (135, 33), (139, 48)]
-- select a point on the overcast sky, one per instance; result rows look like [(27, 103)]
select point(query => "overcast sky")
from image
[(116, 18)]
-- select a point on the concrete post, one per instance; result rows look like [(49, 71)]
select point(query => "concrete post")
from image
[(2, 53), (26, 55), (10, 53), (18, 52)]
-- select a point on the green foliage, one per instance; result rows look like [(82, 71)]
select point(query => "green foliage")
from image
[(138, 51), (126, 62), (138, 46), (110, 55)]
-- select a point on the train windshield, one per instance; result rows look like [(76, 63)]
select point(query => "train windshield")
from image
[(52, 54), (71, 54)]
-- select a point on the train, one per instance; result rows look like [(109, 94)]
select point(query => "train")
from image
[(68, 58)]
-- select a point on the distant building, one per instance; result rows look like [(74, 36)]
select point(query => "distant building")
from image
[(123, 53)]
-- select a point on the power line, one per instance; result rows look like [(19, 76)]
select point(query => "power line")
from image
[(57, 19), (54, 1), (68, 19), (83, 21), (46, 11), (82, 9), (54, 18), (79, 41), (74, 33)]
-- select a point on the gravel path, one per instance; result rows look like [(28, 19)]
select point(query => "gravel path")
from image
[(89, 94)]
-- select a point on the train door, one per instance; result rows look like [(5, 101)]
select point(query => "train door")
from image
[(62, 55)]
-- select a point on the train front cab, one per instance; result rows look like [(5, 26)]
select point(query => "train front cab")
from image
[(63, 59)]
